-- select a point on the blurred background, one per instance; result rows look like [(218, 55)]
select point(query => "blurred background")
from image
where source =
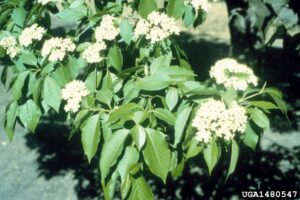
[(261, 33)]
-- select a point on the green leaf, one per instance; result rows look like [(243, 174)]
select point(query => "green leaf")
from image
[(189, 16), (111, 150), (126, 31), (250, 138), (180, 124), (73, 14), (115, 57), (52, 93), (18, 16), (175, 8), (129, 159), (93, 81), (194, 149), (28, 58), (165, 116), (105, 96), (154, 83), (125, 187), (172, 98), (160, 62), (90, 136), (62, 76), (139, 136), (18, 85), (264, 105), (30, 114), (211, 155), (123, 111), (10, 119), (234, 157), (260, 118), (146, 7), (36, 91), (140, 189), (157, 154)]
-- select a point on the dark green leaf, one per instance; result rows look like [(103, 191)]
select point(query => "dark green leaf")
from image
[(234, 157), (250, 138), (10, 119), (211, 155), (172, 98), (115, 57), (189, 16), (18, 85), (146, 7), (175, 8), (126, 31), (52, 93), (180, 124), (165, 116), (260, 118), (30, 114), (18, 16), (140, 190)]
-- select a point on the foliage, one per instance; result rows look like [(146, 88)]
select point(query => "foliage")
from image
[(143, 96), (267, 20)]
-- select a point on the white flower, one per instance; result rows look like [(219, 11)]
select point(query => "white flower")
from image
[(214, 119), (10, 45), (198, 4), (44, 2), (73, 93), (157, 27), (31, 33), (107, 29), (56, 48), (232, 74), (92, 54)]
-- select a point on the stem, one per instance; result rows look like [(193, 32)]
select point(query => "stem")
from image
[(254, 95)]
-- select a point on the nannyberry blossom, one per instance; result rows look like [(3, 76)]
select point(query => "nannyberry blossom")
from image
[(214, 119), (56, 48), (232, 74), (92, 54), (44, 2), (157, 27), (107, 29), (198, 4), (10, 45), (73, 93), (31, 33)]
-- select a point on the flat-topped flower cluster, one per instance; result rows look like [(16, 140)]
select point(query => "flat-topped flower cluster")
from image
[(213, 119)]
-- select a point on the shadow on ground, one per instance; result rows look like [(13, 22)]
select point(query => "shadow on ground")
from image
[(275, 168)]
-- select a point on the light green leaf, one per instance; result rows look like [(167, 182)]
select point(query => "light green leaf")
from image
[(90, 136), (126, 31), (154, 83), (105, 96), (92, 81), (157, 154), (211, 155), (189, 16), (194, 149), (123, 111), (139, 136), (250, 138), (52, 93), (260, 118), (28, 58), (146, 7), (62, 76), (172, 98), (10, 119), (234, 157), (165, 115), (30, 114), (180, 124), (18, 16), (160, 62), (18, 85), (129, 159), (73, 14), (111, 150), (264, 105), (140, 190), (175, 8), (115, 57)]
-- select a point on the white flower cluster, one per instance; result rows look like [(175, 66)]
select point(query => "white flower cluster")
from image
[(107, 29), (44, 2), (92, 54), (198, 4), (232, 74), (10, 45), (31, 33), (214, 119), (157, 27), (56, 48), (73, 93)]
